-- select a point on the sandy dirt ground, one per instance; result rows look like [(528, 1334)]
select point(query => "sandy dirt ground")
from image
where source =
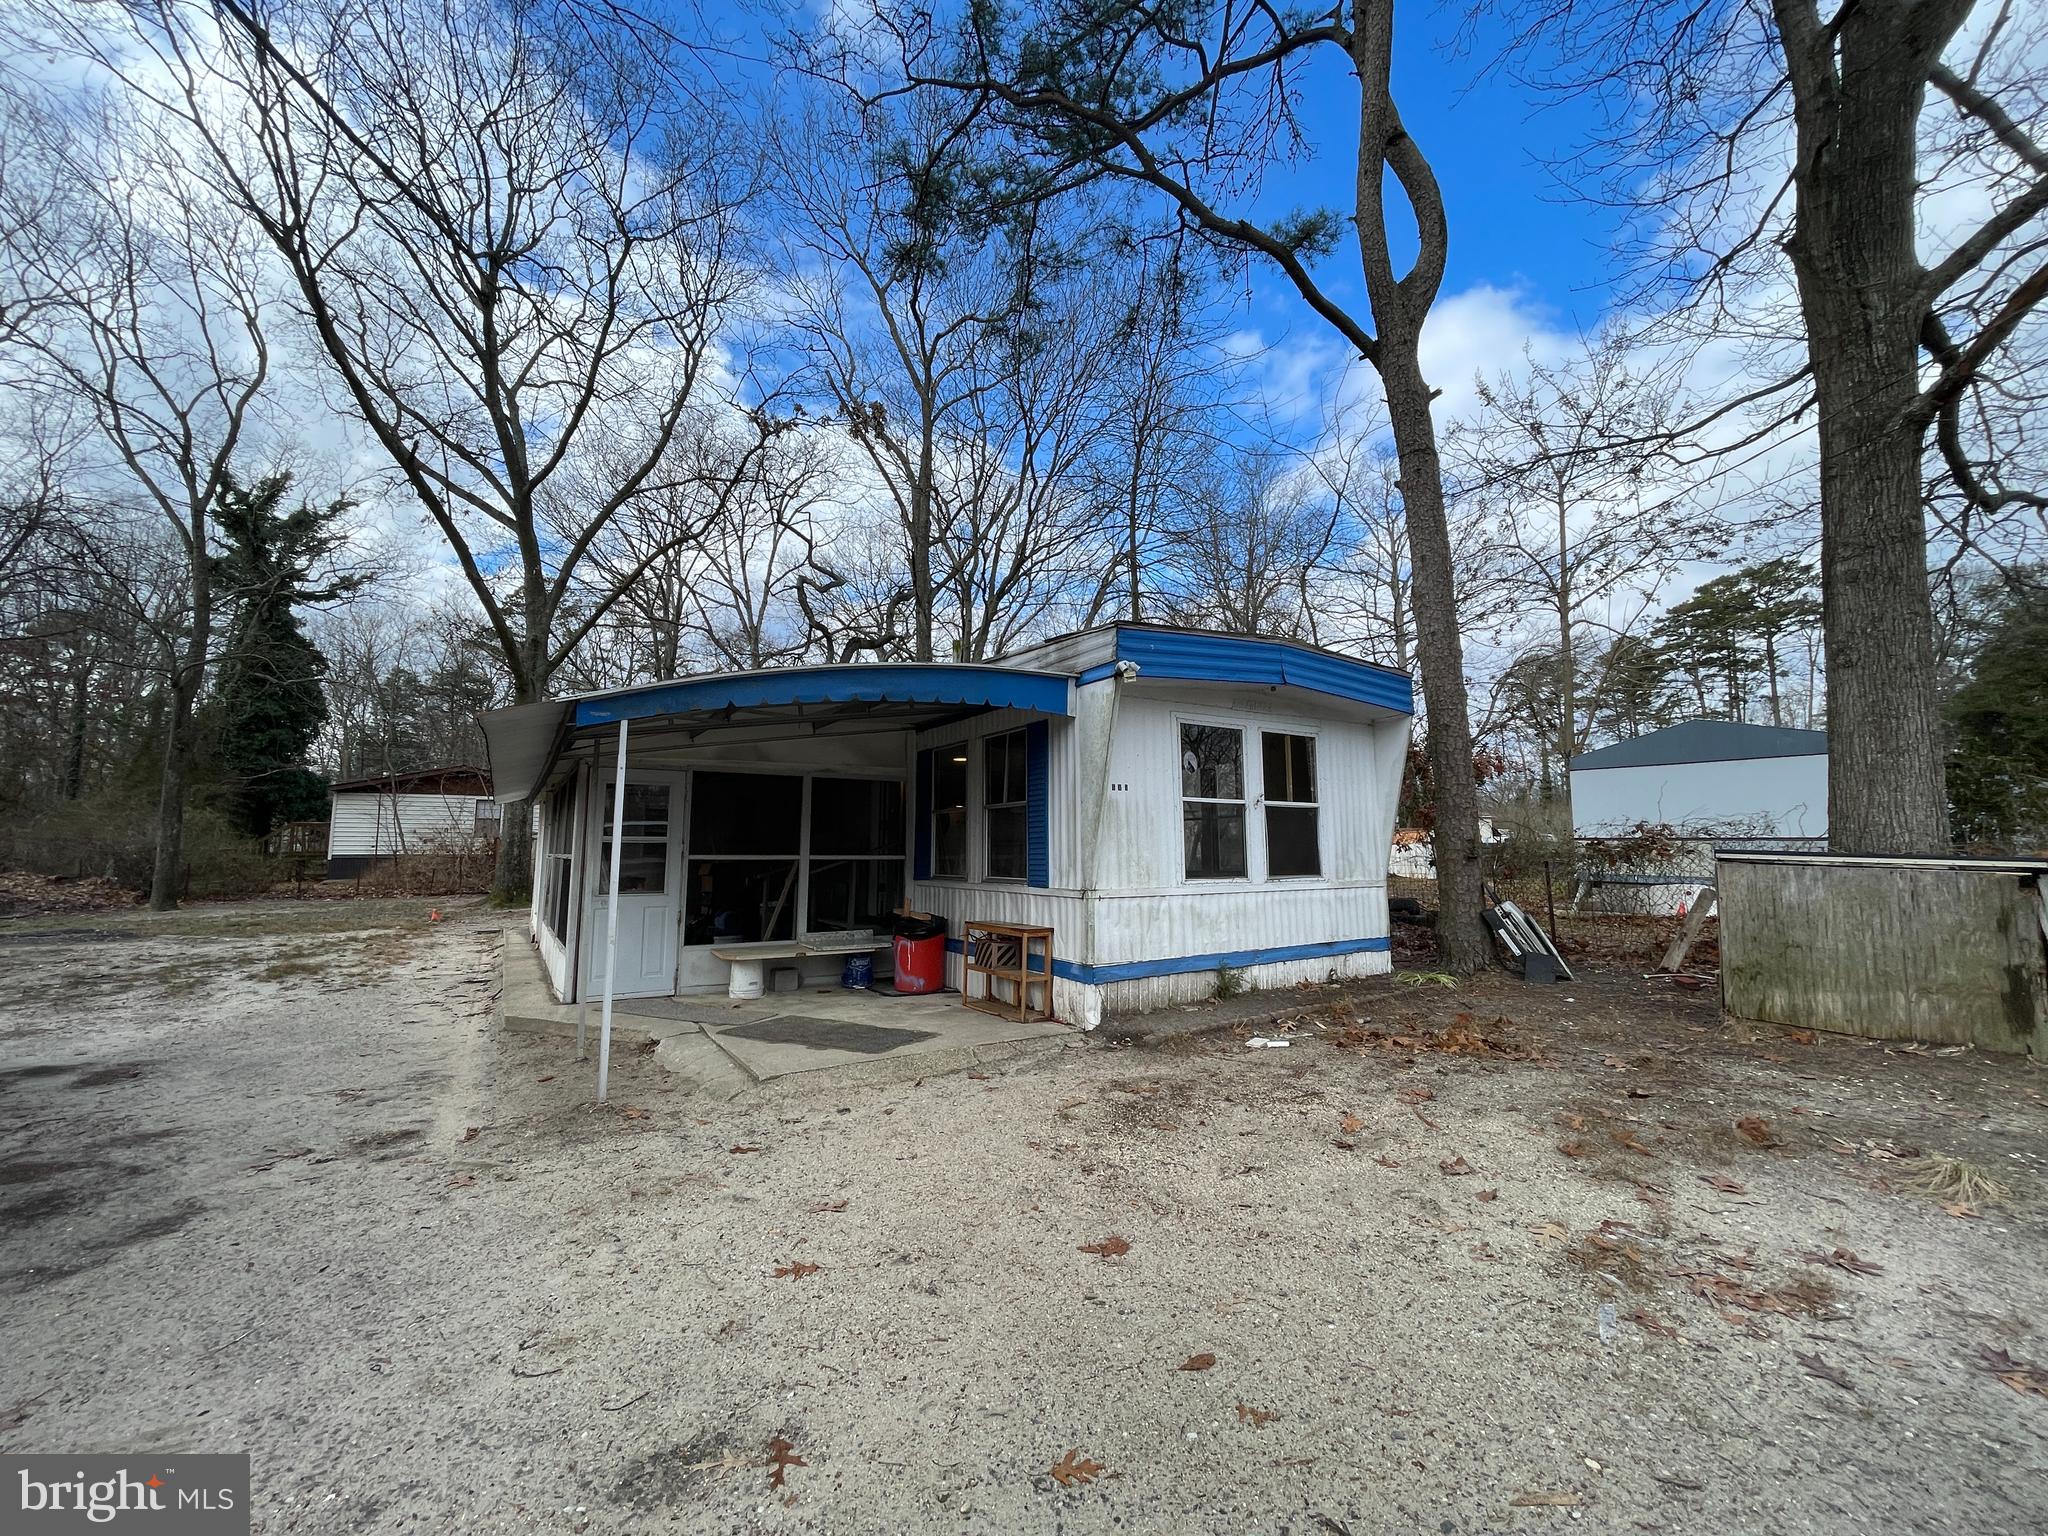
[(270, 1180)]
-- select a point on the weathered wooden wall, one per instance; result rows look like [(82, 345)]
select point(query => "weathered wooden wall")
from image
[(1939, 951)]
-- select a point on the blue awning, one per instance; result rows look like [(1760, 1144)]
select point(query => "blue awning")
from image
[(934, 684)]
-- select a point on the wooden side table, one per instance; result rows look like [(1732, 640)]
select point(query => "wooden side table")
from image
[(1008, 955)]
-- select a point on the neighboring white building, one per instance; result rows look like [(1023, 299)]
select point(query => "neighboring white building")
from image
[(1706, 778), (431, 811), (1171, 803)]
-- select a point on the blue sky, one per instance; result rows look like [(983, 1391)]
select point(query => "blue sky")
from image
[(1512, 230)]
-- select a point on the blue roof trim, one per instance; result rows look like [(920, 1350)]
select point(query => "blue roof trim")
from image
[(975, 687), (1240, 659)]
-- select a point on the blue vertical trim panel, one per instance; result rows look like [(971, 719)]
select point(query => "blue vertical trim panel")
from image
[(1038, 804), (921, 867)]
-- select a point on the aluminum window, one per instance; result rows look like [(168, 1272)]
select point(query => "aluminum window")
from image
[(1212, 801), (1005, 791), (949, 812), (1293, 834)]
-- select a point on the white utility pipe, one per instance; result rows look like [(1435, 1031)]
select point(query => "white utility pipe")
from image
[(611, 928)]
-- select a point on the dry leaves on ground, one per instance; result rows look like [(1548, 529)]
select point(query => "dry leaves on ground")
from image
[(1844, 1260), (1351, 1125), (2023, 1376), (781, 1457), (1726, 1185), (1627, 1140), (829, 1208), (1197, 1363), (1757, 1131), (1643, 1320), (1258, 1418), (471, 1133), (1555, 1231), (1386, 1162), (631, 1113), (795, 1269), (1487, 1194), (1454, 1167), (1074, 1468), (739, 1147), (1572, 1148), (1416, 1094), (1111, 1247), (1816, 1366)]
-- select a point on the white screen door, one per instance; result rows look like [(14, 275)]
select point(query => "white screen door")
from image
[(649, 878)]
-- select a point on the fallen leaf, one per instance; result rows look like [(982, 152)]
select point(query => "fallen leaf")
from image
[(1726, 1185), (741, 1148), (1757, 1130), (1341, 1143), (1963, 1211), (829, 1208), (1572, 1122), (471, 1134), (1454, 1167), (781, 1457), (2023, 1376), (548, 1079), (1546, 1501), (1572, 1148), (1845, 1261), (1816, 1366), (1258, 1418), (1627, 1139), (632, 1114), (1416, 1094), (1198, 1362), (1111, 1247), (1649, 1324), (1352, 1125), (1487, 1194), (1385, 1161), (1556, 1231), (1802, 1036), (795, 1269), (1074, 1468)]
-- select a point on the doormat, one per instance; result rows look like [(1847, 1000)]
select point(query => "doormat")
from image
[(886, 989), (826, 1034)]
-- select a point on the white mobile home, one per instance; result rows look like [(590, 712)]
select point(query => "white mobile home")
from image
[(1708, 778), (1171, 804), (396, 815)]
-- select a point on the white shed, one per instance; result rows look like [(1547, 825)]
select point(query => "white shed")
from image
[(429, 811), (1706, 778)]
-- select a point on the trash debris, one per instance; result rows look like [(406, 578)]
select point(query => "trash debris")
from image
[(1258, 1041), (1607, 1322)]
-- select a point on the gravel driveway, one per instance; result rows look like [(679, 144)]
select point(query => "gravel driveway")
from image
[(271, 1181)]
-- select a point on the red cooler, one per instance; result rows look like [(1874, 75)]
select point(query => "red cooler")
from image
[(920, 955)]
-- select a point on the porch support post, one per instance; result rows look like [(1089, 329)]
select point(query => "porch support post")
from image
[(611, 926)]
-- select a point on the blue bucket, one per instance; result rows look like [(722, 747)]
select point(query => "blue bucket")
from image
[(859, 972)]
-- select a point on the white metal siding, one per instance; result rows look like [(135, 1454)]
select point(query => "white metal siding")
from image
[(1759, 796), (363, 822)]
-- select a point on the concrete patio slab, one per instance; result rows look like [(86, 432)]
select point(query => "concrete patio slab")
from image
[(816, 1037)]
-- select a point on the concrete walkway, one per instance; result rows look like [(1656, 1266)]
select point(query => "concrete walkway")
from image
[(817, 1036)]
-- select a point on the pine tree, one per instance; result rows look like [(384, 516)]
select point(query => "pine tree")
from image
[(269, 703), (1998, 766)]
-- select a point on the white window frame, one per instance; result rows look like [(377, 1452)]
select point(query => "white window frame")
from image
[(1022, 803), (1242, 802), (1314, 740)]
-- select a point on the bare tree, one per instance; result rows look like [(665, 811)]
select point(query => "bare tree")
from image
[(511, 238), (1192, 105), (165, 349), (1564, 460), (1823, 134)]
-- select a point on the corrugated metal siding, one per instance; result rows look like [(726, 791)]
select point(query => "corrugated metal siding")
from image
[(384, 825)]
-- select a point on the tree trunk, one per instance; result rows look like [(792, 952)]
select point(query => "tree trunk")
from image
[(1461, 936), (1858, 91), (77, 728), (170, 803)]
